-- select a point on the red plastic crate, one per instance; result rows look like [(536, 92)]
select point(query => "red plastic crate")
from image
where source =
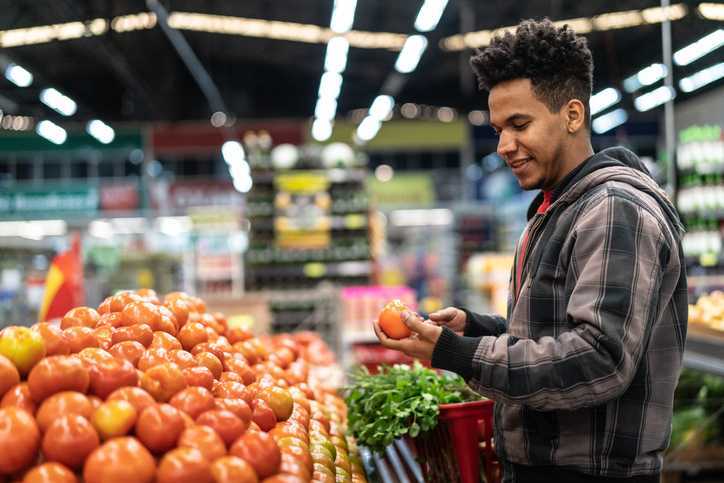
[(468, 429)]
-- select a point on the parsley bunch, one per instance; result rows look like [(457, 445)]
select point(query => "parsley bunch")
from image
[(399, 401)]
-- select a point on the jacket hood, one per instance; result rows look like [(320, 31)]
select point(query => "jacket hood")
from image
[(621, 165)]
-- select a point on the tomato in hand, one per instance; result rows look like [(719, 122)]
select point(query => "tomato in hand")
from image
[(50, 473), (159, 427), (63, 404), (58, 373), (260, 451), (19, 440), (69, 440), (120, 460), (232, 469), (226, 423), (390, 320), (184, 464), (205, 439)]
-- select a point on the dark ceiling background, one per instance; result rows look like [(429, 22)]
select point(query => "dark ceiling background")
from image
[(137, 76)]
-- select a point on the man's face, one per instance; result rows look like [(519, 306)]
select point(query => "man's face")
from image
[(532, 138)]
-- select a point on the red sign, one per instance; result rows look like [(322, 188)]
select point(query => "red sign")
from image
[(187, 194), (120, 197)]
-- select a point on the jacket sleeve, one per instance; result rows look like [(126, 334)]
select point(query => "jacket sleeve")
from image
[(477, 325), (618, 258)]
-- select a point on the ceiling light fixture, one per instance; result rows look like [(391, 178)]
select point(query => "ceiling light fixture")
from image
[(700, 48), (429, 15), (702, 78)]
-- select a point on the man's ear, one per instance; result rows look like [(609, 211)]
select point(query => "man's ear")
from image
[(575, 115)]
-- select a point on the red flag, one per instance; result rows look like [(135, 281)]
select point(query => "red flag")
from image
[(64, 283)]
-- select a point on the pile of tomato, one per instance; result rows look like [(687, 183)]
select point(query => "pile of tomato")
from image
[(149, 389)]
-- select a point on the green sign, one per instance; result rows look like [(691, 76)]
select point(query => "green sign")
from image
[(49, 200), (404, 189), (694, 133), (24, 142)]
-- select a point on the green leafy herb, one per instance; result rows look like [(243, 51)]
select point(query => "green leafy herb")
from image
[(399, 401)]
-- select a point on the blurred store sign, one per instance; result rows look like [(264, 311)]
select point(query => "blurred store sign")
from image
[(45, 200), (122, 196), (302, 210), (182, 195), (77, 140), (404, 189)]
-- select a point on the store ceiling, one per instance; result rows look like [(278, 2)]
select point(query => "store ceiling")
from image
[(137, 76)]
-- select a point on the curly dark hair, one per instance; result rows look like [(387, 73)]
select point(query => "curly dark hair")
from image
[(556, 60)]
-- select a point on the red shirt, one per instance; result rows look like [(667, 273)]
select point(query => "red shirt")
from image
[(547, 199)]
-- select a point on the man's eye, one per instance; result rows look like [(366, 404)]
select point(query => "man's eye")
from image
[(520, 127)]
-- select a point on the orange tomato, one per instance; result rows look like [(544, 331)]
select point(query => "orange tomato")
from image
[(58, 373), (19, 440), (226, 423), (181, 358), (184, 464), (260, 451), (139, 398), (390, 320), (80, 317), (205, 439), (180, 309), (193, 401), (61, 404), (279, 400), (263, 415), (236, 405), (148, 295), (69, 440), (211, 362), (152, 357), (9, 375), (238, 335), (114, 418), (114, 319), (191, 334), (80, 337), (19, 396), (199, 376), (129, 350), (164, 340), (50, 473), (163, 381), (232, 469), (56, 342), (142, 313), (141, 333), (159, 427), (120, 460), (229, 389), (107, 376)]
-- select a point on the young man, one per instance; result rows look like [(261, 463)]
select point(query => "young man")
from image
[(584, 367)]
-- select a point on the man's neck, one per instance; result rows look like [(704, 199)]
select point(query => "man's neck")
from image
[(578, 153)]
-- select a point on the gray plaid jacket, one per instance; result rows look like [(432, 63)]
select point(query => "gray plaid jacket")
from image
[(584, 368)]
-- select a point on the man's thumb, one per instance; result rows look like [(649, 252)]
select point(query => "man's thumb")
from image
[(414, 322)]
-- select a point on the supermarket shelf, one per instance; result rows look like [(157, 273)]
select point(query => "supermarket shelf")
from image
[(359, 337), (335, 175), (704, 352)]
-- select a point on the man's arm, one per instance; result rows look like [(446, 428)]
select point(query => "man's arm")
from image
[(478, 325), (618, 256)]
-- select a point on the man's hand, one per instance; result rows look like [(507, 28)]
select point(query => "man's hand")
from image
[(420, 344), (450, 317)]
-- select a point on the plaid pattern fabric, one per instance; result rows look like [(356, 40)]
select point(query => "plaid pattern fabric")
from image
[(584, 370)]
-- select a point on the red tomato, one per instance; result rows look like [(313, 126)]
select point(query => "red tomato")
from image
[(129, 350), (19, 396), (181, 358), (163, 381), (19, 440), (9, 375), (226, 423), (80, 317), (229, 389), (50, 473), (56, 343), (184, 464), (61, 404), (263, 415), (69, 440), (159, 427), (139, 398), (279, 400), (260, 451), (192, 334), (152, 357), (141, 333), (205, 439), (120, 460), (390, 320), (107, 376), (193, 401), (232, 469), (236, 405), (58, 373), (142, 313), (80, 337), (180, 309), (199, 376), (114, 319), (211, 362)]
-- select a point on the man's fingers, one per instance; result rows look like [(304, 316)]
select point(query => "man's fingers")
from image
[(443, 315), (384, 340), (415, 323)]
